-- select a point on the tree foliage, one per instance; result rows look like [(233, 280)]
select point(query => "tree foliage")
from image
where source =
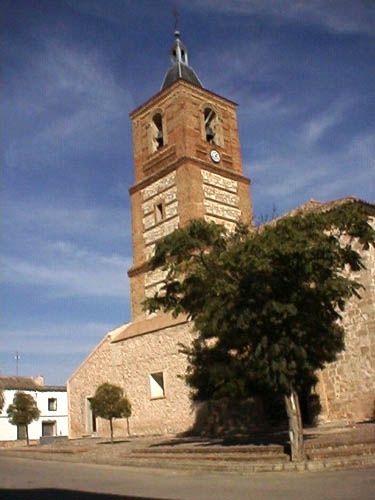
[(23, 411), (2, 399), (266, 303), (109, 402)]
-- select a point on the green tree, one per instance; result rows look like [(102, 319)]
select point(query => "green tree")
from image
[(109, 402), (2, 399), (265, 303), (23, 411)]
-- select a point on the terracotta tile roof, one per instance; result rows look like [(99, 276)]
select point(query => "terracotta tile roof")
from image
[(149, 325), (325, 206), (321, 206), (27, 384)]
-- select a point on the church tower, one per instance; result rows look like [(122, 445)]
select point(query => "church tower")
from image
[(187, 164)]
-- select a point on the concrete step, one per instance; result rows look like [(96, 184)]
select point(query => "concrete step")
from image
[(339, 440), (218, 457), (270, 455), (340, 450), (205, 465), (210, 454), (248, 467), (207, 450), (339, 463)]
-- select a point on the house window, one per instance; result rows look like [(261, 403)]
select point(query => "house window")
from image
[(157, 387), (159, 211), (52, 404), (157, 134), (49, 428)]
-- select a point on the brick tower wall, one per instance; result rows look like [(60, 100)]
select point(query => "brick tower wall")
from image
[(180, 182)]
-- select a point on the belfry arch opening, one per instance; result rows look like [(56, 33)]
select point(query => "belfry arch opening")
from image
[(210, 125), (157, 132)]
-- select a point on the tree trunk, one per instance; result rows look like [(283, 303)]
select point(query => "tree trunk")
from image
[(295, 427), (27, 435), (128, 426), (111, 427)]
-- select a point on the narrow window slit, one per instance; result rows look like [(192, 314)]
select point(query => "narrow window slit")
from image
[(159, 211)]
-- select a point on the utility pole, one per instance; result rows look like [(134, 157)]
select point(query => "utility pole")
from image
[(17, 357)]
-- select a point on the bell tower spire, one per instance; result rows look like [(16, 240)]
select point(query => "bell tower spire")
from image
[(179, 53), (180, 64)]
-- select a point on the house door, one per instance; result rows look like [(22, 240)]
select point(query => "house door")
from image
[(91, 418), (48, 428), (93, 423)]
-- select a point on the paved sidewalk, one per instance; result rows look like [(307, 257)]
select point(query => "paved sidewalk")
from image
[(327, 447)]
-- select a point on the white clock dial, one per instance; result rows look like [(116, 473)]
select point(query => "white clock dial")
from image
[(215, 155)]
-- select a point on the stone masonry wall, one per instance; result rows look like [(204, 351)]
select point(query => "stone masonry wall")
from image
[(347, 386), (221, 201), (161, 192), (95, 370), (152, 353), (129, 364)]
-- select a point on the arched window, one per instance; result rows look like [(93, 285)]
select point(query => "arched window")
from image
[(157, 138), (210, 126)]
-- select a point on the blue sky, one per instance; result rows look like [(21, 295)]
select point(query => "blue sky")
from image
[(301, 71)]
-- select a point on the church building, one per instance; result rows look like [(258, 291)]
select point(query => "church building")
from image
[(187, 165)]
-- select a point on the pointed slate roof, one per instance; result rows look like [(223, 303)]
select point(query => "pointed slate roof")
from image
[(180, 66)]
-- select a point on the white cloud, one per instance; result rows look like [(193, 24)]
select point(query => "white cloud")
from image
[(53, 349), (343, 16), (54, 338), (239, 62), (318, 125), (297, 174), (74, 100), (306, 172), (26, 219), (65, 270)]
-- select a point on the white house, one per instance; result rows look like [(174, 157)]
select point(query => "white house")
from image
[(51, 400)]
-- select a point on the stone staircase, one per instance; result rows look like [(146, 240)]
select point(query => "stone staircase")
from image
[(212, 458), (254, 458), (360, 449)]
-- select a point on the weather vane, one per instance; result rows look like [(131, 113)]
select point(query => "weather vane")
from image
[(175, 14)]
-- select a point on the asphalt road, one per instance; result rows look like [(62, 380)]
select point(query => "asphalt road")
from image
[(25, 479)]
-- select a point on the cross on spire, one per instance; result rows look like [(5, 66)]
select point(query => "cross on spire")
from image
[(176, 15)]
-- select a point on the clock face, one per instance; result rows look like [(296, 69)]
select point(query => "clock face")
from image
[(215, 156)]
